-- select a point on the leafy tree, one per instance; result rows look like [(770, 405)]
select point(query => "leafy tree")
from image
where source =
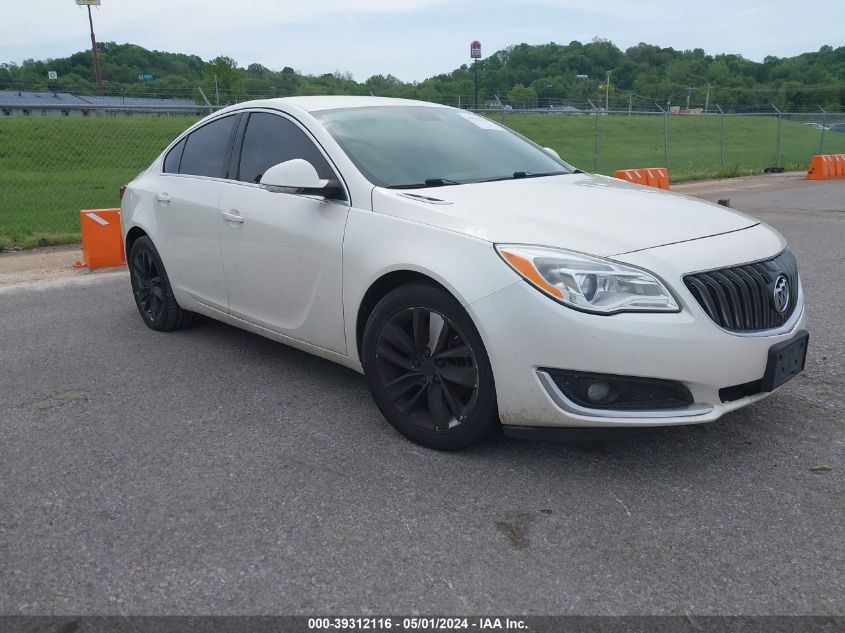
[(221, 77), (523, 96), (525, 74)]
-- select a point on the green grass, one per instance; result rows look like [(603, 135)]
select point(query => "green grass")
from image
[(52, 168), (695, 149)]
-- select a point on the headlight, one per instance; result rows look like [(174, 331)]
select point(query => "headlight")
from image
[(591, 284)]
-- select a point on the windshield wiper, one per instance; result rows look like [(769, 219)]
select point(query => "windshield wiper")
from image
[(429, 182), (548, 173), (525, 174)]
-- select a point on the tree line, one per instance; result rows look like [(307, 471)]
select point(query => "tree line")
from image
[(643, 76)]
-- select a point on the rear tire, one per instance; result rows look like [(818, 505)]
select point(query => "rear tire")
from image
[(427, 369), (151, 289)]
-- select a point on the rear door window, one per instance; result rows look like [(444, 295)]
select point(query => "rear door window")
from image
[(207, 149)]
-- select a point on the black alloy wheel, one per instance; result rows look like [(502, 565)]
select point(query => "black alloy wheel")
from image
[(152, 291), (427, 368), (148, 289)]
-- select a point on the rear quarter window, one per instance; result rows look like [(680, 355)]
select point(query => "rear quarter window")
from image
[(173, 158)]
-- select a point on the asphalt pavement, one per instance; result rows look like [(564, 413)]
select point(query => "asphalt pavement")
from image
[(213, 471)]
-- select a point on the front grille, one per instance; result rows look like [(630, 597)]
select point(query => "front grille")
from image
[(741, 298)]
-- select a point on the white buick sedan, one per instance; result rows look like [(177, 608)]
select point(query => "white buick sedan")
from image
[(477, 280)]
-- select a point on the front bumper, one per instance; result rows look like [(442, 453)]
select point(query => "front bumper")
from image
[(524, 331)]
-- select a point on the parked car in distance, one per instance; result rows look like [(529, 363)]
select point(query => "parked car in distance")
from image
[(476, 279), (817, 126), (837, 127)]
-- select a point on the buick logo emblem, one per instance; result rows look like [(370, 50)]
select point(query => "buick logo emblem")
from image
[(780, 293)]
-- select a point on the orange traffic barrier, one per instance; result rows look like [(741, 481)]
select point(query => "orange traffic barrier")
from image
[(825, 166), (102, 244), (650, 176), (840, 165)]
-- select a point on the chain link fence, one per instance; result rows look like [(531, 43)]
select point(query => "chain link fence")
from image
[(53, 166), (692, 146)]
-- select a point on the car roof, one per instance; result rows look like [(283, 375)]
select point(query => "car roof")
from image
[(333, 102)]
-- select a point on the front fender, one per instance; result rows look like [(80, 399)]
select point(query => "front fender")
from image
[(376, 244)]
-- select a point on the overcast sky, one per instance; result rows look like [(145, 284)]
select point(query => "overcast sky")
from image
[(413, 39)]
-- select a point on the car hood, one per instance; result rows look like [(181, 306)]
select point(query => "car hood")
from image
[(583, 212)]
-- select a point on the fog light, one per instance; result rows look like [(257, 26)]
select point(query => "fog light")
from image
[(598, 391), (630, 393)]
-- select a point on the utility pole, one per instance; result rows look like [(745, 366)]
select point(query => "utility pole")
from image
[(689, 94), (707, 99), (97, 73), (629, 103), (216, 90), (607, 92)]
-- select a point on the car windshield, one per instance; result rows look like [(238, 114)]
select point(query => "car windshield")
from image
[(419, 146)]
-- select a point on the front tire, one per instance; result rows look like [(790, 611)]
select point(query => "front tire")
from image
[(151, 289), (427, 369)]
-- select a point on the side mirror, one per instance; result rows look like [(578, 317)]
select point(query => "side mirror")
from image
[(551, 152), (293, 176)]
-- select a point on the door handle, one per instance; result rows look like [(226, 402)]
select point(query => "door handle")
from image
[(232, 216), (164, 198)]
